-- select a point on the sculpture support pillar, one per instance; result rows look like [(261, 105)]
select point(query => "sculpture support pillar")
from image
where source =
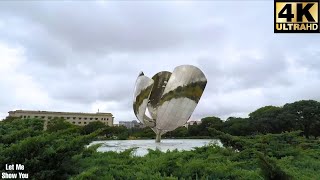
[(158, 137)]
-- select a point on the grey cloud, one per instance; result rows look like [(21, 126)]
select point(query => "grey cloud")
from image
[(98, 88), (116, 26), (228, 104), (109, 78), (81, 53), (75, 86), (39, 45), (310, 59), (254, 72), (248, 71)]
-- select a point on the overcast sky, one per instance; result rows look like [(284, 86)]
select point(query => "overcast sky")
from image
[(83, 56)]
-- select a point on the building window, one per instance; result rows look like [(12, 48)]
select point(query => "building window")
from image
[(73, 122), (84, 122), (42, 117), (74, 117), (36, 116), (96, 118), (107, 119), (79, 122), (68, 117), (85, 118), (49, 117), (90, 118), (24, 116), (80, 118), (28, 116)]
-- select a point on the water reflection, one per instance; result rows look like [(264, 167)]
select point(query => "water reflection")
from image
[(142, 146)]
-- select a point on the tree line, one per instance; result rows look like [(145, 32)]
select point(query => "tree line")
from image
[(301, 115), (60, 152)]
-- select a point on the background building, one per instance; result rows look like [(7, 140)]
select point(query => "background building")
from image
[(192, 122), (77, 118), (131, 124)]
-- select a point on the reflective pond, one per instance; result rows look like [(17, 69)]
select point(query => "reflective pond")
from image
[(142, 146)]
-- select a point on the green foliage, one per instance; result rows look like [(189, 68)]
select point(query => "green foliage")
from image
[(58, 124), (93, 126), (210, 162), (301, 115), (45, 154), (278, 156), (261, 112), (250, 150), (268, 119), (270, 170), (236, 126), (120, 132), (271, 156), (306, 113), (179, 132), (15, 129), (142, 133)]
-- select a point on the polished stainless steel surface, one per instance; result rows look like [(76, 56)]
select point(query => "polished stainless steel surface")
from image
[(141, 98), (160, 81), (170, 98)]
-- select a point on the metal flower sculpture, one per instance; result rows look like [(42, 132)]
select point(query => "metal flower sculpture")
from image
[(170, 98)]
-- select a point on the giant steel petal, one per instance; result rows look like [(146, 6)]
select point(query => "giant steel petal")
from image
[(160, 81), (142, 93), (180, 97)]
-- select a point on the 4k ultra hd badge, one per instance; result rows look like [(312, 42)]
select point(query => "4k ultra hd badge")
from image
[(296, 16)]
